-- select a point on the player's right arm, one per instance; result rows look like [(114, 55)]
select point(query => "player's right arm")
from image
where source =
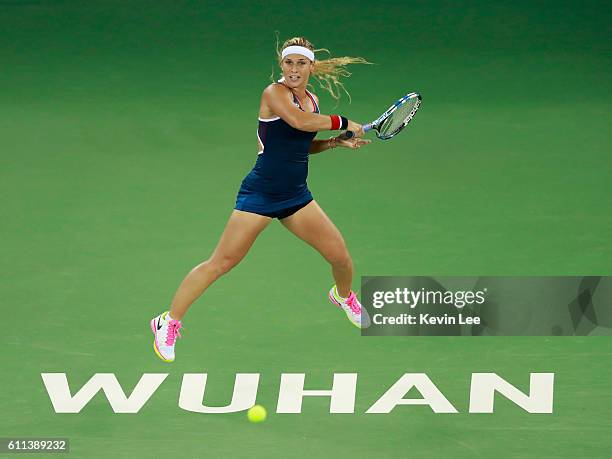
[(278, 99)]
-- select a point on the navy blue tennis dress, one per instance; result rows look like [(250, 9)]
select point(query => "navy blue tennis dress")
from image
[(276, 186)]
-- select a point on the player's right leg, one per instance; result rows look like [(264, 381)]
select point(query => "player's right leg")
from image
[(239, 235)]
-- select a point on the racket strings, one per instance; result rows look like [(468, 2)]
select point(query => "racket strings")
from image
[(398, 118)]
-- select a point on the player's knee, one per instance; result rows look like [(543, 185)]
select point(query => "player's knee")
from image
[(223, 265), (215, 266), (341, 260)]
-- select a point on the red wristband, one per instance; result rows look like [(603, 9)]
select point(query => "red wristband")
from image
[(336, 122)]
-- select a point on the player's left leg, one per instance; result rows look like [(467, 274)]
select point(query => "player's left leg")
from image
[(313, 226)]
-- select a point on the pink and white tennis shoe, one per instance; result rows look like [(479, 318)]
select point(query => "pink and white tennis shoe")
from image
[(352, 307), (166, 331)]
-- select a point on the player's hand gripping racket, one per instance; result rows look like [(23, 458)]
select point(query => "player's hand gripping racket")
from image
[(394, 119)]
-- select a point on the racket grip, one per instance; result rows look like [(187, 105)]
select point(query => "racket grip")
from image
[(350, 134)]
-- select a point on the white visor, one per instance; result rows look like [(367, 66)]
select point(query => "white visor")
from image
[(298, 50)]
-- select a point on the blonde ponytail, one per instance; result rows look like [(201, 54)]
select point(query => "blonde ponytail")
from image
[(327, 72)]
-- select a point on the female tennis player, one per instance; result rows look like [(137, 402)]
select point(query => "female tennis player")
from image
[(289, 119)]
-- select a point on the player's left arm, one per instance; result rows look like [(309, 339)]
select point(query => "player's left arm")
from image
[(320, 145)]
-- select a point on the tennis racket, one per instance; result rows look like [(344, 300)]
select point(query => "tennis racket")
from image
[(395, 119)]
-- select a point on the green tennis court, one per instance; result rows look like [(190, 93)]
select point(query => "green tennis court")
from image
[(126, 129)]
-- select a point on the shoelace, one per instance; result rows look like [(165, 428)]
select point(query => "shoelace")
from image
[(352, 303), (173, 331)]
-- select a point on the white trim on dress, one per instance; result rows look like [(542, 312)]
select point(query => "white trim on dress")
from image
[(260, 143)]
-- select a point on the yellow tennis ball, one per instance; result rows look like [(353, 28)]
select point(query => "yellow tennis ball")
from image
[(257, 413)]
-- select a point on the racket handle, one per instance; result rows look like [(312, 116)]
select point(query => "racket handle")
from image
[(350, 134)]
